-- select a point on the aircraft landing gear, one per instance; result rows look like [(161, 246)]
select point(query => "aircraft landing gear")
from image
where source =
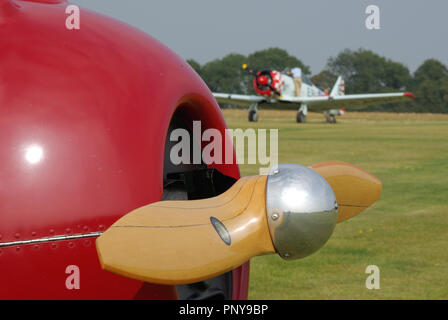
[(253, 116), (301, 114), (253, 112), (301, 118), (329, 117)]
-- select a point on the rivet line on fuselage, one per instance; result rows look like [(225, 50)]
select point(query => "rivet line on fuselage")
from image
[(50, 239)]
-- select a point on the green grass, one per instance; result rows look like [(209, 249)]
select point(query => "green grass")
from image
[(405, 233)]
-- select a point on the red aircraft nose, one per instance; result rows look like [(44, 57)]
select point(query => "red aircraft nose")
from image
[(84, 116), (262, 80)]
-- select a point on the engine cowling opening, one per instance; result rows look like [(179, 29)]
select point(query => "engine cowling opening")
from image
[(268, 83)]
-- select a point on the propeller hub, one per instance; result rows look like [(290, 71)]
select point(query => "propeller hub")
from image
[(301, 209), (262, 80)]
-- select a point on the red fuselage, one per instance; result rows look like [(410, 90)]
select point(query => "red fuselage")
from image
[(83, 120)]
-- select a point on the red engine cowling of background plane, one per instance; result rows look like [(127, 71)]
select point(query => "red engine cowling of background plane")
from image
[(268, 83), (83, 120)]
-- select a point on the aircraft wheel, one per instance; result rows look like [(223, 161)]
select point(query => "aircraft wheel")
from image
[(333, 119), (330, 118), (253, 116), (301, 118)]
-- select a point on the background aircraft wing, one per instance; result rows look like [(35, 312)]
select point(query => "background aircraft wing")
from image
[(321, 103), (238, 99)]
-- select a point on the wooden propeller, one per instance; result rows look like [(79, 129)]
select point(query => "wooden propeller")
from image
[(179, 242)]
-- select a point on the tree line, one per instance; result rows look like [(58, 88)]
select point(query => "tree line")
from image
[(364, 72)]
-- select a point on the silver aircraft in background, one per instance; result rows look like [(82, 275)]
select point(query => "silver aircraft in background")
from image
[(290, 89)]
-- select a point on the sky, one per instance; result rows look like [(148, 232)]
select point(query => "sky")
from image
[(314, 30)]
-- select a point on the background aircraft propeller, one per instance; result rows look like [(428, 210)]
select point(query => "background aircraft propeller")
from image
[(263, 78)]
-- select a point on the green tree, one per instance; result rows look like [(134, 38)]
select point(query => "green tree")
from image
[(226, 74), (367, 72), (431, 87), (275, 58), (324, 79), (431, 69)]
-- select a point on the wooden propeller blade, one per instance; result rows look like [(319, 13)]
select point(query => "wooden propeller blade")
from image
[(355, 189), (178, 242)]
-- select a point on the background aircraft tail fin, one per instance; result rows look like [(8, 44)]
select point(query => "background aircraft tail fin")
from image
[(339, 87)]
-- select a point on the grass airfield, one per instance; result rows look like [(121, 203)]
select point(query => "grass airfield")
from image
[(405, 233)]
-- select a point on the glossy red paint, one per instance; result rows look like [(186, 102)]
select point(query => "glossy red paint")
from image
[(410, 95), (83, 119), (266, 92), (262, 80)]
